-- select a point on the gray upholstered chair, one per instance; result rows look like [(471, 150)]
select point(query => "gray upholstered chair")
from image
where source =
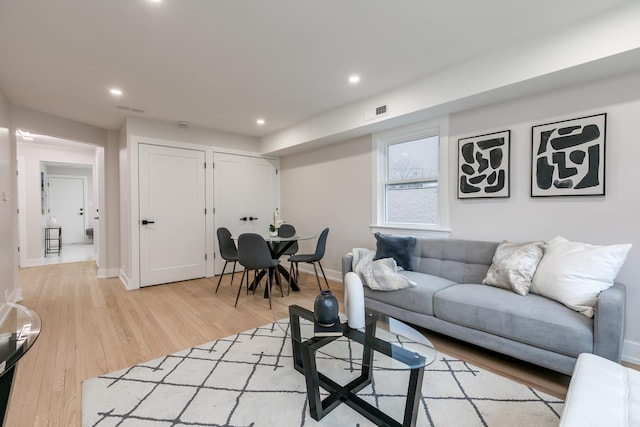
[(228, 252), (287, 230), (310, 259), (254, 254)]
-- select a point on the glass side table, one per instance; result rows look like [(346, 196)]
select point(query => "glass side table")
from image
[(19, 329), (384, 343)]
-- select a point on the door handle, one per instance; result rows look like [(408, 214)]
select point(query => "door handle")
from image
[(146, 221), (244, 218), (95, 217), (251, 218)]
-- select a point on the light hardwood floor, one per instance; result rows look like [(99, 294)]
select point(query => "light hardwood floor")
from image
[(91, 327)]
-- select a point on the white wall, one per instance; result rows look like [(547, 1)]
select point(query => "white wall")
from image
[(8, 285), (34, 154), (331, 186)]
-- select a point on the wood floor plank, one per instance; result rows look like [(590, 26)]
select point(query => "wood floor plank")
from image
[(94, 326)]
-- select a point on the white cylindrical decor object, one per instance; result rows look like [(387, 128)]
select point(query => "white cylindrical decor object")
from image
[(52, 222), (354, 300)]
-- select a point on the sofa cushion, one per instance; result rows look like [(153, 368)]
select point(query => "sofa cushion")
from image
[(399, 248), (418, 298), (531, 319), (463, 261)]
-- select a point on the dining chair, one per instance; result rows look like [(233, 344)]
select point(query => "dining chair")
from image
[(310, 259), (228, 252), (254, 254), (288, 230)]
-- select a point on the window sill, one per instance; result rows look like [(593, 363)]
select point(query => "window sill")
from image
[(432, 231)]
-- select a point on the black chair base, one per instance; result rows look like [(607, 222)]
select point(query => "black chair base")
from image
[(222, 274), (270, 274), (295, 271)]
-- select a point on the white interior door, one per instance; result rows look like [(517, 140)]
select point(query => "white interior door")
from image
[(66, 203), (172, 214), (245, 195)]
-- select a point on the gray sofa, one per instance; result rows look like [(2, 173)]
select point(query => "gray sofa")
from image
[(449, 299)]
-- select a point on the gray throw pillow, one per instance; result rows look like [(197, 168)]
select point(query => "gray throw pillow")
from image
[(514, 265), (399, 248)]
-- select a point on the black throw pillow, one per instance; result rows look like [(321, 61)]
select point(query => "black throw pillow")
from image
[(396, 247)]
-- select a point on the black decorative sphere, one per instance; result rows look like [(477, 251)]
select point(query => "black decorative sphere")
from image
[(325, 309)]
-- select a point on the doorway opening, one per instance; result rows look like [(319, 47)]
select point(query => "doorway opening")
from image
[(67, 203), (57, 200)]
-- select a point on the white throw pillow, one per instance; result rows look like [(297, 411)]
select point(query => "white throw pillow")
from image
[(514, 265), (575, 273)]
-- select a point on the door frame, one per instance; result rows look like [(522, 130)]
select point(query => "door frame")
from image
[(130, 235)]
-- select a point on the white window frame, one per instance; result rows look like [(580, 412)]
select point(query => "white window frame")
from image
[(438, 126)]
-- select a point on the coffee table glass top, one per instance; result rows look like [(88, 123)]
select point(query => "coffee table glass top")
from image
[(19, 329), (410, 348)]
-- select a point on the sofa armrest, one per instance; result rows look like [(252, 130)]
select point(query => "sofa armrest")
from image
[(347, 262), (609, 322)]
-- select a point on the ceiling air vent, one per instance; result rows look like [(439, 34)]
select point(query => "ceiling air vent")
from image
[(374, 113), (132, 109)]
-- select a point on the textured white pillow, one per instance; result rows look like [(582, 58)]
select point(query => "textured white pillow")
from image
[(575, 273), (514, 265)]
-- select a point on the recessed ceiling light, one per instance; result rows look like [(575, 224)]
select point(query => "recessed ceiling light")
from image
[(354, 78), (154, 1), (260, 122), (115, 91)]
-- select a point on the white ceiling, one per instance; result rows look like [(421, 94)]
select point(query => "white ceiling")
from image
[(222, 64)]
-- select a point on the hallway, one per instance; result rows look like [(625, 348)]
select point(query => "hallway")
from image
[(75, 252)]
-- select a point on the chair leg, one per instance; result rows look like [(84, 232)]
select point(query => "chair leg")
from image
[(240, 287), (222, 274), (324, 275), (269, 288), (233, 273), (290, 278), (279, 283), (255, 282), (317, 277)]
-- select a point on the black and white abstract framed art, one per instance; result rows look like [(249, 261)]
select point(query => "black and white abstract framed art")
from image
[(568, 157), (483, 166)]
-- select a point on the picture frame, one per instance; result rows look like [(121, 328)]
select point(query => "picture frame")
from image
[(484, 166), (568, 157)]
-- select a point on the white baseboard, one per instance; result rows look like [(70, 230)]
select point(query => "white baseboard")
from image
[(331, 274), (631, 352), (107, 273), (126, 281), (33, 262)]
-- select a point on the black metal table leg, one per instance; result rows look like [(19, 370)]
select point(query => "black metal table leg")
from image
[(304, 356)]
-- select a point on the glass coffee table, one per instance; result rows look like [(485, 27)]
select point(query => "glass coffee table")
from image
[(383, 344)]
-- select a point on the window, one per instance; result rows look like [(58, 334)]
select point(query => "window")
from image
[(411, 171), (411, 184)]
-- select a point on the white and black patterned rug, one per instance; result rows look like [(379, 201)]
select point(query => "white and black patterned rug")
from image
[(249, 380)]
